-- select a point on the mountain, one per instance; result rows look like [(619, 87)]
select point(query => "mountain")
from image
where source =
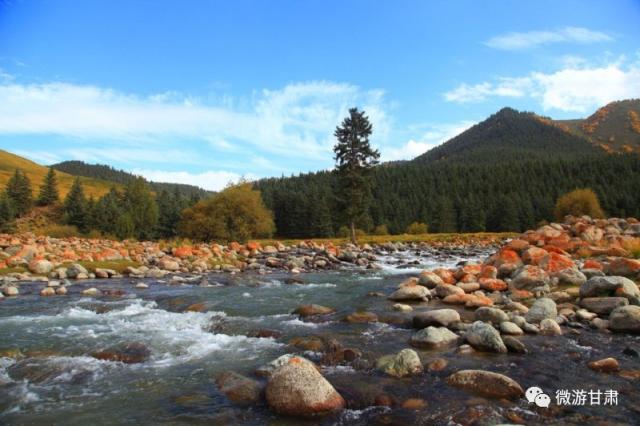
[(615, 127), (10, 162), (510, 134), (101, 171)]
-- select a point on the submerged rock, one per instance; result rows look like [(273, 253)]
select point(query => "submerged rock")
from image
[(238, 388), (129, 353), (311, 310), (486, 383), (298, 389)]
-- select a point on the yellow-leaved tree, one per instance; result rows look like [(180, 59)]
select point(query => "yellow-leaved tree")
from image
[(578, 203), (235, 214)]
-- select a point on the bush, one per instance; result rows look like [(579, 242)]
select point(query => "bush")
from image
[(235, 214), (381, 230), (417, 228), (345, 232), (578, 203)]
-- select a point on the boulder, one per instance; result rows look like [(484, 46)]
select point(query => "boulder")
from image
[(48, 291), (434, 338), (486, 383), (493, 315), (77, 271), (570, 276), (608, 286), (404, 363), (268, 369), (437, 317), (91, 292), (514, 345), (313, 309), (129, 353), (603, 305), (510, 328), (444, 290), (410, 292), (429, 279), (484, 337), (542, 308), (361, 317), (625, 319), (549, 327), (606, 365), (402, 307), (238, 388), (298, 389), (168, 264), (623, 266), (10, 290), (530, 277), (40, 266)]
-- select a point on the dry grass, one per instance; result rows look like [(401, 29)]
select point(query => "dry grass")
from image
[(633, 246)]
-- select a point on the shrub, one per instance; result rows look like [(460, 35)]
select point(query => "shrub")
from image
[(345, 232), (59, 231), (381, 230), (417, 228), (578, 203), (235, 214)]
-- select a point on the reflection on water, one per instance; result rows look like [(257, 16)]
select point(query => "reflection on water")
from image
[(48, 374)]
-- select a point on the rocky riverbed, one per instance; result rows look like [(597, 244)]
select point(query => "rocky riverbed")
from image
[(415, 334)]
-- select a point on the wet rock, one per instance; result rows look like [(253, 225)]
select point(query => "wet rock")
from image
[(61, 291), (10, 290), (585, 315), (311, 310), (603, 305), (625, 319), (402, 307), (429, 279), (268, 369), (486, 383), (434, 338), (437, 317), (238, 388), (608, 286), (91, 292), (404, 363), (606, 365), (361, 317), (414, 404), (48, 291), (266, 334), (168, 265), (514, 345), (493, 315), (129, 353), (530, 328), (298, 389), (437, 364), (541, 309), (308, 343), (550, 327), (484, 337), (141, 286), (510, 328)]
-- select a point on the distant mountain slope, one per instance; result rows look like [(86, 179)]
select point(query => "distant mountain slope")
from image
[(615, 127), (101, 171), (508, 135), (10, 162)]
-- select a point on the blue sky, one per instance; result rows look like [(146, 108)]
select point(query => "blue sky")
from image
[(205, 92)]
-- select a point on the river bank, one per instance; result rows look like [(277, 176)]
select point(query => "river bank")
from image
[(428, 336)]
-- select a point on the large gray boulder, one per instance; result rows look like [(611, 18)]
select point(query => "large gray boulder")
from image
[(625, 319), (542, 308), (434, 338), (484, 337), (493, 315), (603, 305), (437, 317), (610, 286), (404, 363)]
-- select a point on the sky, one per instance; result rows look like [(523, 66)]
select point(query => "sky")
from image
[(208, 92)]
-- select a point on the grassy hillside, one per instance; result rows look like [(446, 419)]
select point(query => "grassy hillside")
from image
[(615, 127), (10, 162)]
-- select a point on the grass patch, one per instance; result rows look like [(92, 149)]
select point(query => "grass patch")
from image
[(117, 265), (10, 270), (633, 246), (404, 238)]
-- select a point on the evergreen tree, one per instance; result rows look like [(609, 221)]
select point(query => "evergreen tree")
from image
[(19, 192), (444, 217), (142, 208), (75, 206), (49, 190), (170, 207), (108, 211), (7, 213), (354, 159), (508, 220)]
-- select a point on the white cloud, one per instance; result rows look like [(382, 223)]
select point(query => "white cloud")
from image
[(525, 40), (434, 135), (212, 180), (578, 87), (297, 120)]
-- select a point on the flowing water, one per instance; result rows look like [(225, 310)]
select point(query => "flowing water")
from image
[(56, 381)]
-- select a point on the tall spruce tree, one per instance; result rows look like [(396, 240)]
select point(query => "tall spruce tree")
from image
[(75, 206), (19, 192), (108, 211), (354, 159), (49, 190), (141, 207), (7, 213)]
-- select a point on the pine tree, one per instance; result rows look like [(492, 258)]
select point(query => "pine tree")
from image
[(354, 159), (7, 213), (75, 206), (508, 220), (49, 190), (141, 207), (19, 192), (108, 211), (444, 217)]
